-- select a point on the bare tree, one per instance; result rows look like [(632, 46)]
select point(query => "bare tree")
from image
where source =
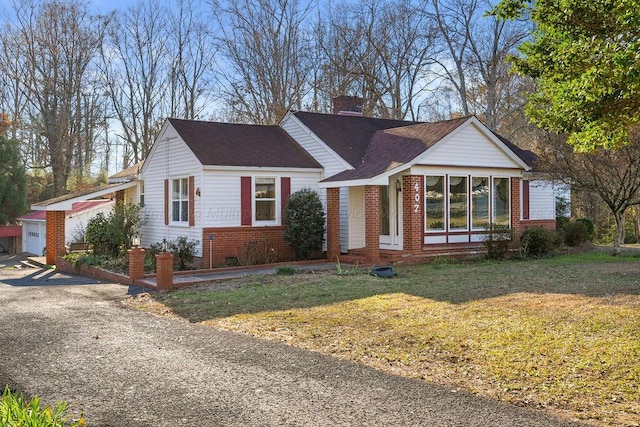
[(380, 50), (54, 46), (477, 46), (136, 74), (192, 46), (614, 175), (265, 67)]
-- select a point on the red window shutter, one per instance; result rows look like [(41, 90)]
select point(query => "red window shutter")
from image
[(192, 207), (525, 200), (245, 200), (285, 191), (166, 202)]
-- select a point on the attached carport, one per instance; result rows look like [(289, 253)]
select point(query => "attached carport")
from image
[(56, 208)]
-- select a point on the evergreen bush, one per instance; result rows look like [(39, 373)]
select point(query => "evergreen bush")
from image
[(537, 241), (304, 218)]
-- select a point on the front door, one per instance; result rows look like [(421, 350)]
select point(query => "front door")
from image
[(390, 220)]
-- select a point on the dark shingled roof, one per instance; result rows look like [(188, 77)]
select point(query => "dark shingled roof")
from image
[(129, 172), (349, 136), (227, 144), (394, 147)]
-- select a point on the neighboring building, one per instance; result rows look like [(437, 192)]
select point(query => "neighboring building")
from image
[(34, 224), (392, 189)]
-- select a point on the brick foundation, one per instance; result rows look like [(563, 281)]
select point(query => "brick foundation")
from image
[(231, 243)]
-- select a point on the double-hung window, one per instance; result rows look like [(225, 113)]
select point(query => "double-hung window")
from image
[(180, 200), (265, 199)]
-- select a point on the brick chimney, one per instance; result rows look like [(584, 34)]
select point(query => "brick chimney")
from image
[(347, 105)]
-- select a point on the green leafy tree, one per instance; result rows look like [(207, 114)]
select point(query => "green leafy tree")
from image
[(13, 182), (584, 56), (304, 218)]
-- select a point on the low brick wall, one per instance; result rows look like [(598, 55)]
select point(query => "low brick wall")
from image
[(93, 272)]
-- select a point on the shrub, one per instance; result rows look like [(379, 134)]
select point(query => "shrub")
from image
[(304, 219), (589, 226), (537, 241), (576, 233), (183, 251), (257, 252), (497, 241), (112, 234), (15, 411)]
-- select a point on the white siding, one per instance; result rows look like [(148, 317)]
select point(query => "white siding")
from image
[(220, 193), (329, 160), (467, 147), (542, 198), (356, 218), (75, 226), (170, 158)]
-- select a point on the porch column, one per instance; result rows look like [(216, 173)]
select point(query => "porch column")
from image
[(333, 223), (515, 209), (412, 215), (119, 197), (55, 235), (372, 223)]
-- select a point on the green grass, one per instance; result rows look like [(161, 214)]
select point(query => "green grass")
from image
[(559, 334)]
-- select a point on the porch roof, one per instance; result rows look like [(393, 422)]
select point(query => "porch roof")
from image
[(65, 203)]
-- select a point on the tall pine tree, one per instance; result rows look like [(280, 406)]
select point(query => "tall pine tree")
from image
[(13, 182)]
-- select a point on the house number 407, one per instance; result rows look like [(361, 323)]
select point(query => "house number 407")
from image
[(416, 197)]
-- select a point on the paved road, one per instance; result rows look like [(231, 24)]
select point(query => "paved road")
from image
[(122, 367)]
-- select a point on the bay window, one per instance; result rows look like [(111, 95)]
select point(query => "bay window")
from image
[(458, 203), (434, 200), (479, 203)]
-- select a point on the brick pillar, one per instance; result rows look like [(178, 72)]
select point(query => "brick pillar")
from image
[(372, 223), (119, 197), (413, 214), (55, 236), (164, 271), (136, 264), (333, 223), (515, 208)]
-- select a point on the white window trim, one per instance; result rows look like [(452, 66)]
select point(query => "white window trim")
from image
[(179, 223), (276, 200)]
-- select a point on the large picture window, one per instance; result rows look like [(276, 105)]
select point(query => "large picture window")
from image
[(479, 203), (501, 192), (180, 200), (457, 202), (434, 199), (265, 199)]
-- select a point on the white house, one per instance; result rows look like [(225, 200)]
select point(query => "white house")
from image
[(392, 189)]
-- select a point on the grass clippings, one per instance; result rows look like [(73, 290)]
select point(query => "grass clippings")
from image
[(560, 334)]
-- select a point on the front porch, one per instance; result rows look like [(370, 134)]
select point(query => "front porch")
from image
[(402, 204)]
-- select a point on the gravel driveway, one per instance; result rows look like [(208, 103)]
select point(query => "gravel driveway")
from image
[(127, 368)]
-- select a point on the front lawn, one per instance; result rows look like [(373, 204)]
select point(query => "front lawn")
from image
[(560, 334)]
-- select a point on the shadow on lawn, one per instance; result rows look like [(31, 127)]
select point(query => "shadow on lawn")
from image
[(592, 275)]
